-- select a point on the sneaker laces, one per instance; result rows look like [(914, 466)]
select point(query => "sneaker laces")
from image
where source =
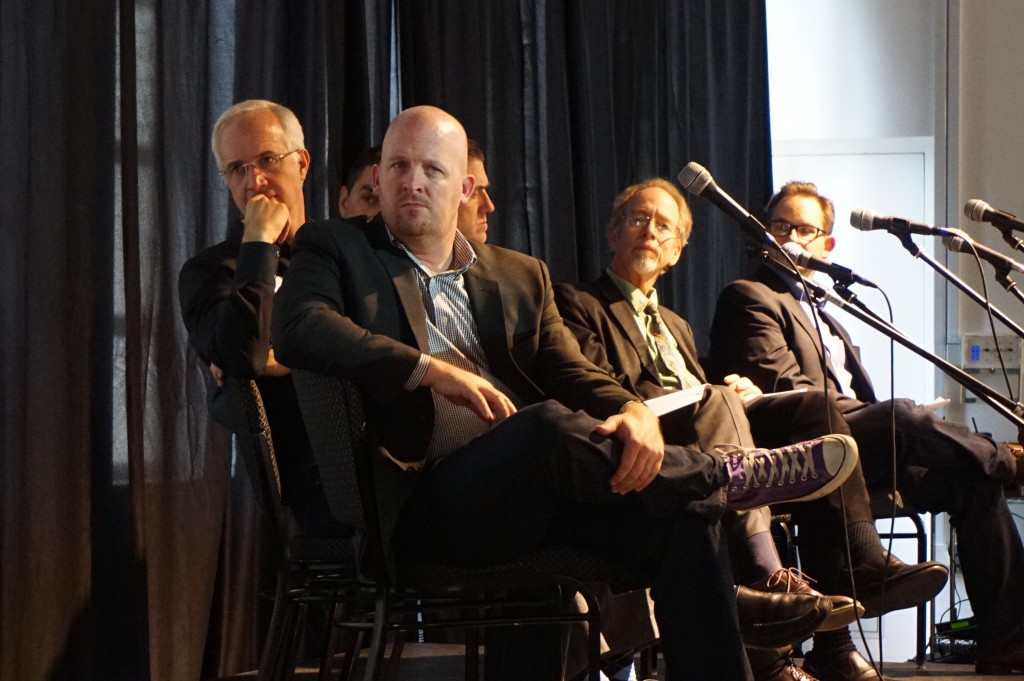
[(772, 466)]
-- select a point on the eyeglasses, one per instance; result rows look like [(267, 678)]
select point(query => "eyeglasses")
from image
[(664, 230), (780, 228), (265, 163)]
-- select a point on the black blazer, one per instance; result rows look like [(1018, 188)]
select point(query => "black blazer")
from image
[(351, 306), (602, 321), (761, 331)]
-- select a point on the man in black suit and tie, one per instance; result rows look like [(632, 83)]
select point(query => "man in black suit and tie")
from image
[(766, 328), (476, 387), (651, 351)]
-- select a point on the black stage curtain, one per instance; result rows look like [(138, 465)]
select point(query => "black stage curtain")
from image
[(572, 101), (129, 542)]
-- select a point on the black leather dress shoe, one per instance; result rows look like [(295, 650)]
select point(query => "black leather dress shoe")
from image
[(843, 665), (774, 620), (1001, 663), (884, 586)]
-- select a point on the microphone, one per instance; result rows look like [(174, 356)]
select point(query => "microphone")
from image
[(696, 179), (979, 211), (866, 221), (963, 243), (841, 274)]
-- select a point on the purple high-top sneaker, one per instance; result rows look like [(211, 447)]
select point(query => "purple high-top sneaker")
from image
[(801, 472)]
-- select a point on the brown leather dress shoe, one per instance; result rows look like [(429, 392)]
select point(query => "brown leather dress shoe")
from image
[(842, 665), (791, 580), (884, 586), (1002, 663), (791, 673), (774, 620)]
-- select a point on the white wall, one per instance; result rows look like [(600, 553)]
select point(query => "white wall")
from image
[(843, 69), (986, 105)]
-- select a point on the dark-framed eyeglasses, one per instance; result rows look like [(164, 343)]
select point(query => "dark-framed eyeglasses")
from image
[(781, 228), (265, 163)]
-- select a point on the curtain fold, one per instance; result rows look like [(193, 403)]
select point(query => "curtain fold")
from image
[(130, 545)]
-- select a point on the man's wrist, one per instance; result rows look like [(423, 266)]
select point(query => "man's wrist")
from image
[(622, 410)]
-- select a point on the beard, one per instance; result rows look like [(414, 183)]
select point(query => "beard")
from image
[(644, 263)]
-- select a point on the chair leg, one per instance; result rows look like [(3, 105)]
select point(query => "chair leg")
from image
[(922, 610), (293, 642), (331, 642), (376, 655), (472, 635), (397, 646), (353, 640), (270, 657)]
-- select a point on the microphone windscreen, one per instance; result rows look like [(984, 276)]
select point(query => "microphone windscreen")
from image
[(796, 251), (694, 178), (957, 244), (862, 219), (975, 210)]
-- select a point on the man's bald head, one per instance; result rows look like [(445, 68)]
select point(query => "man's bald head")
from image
[(422, 179)]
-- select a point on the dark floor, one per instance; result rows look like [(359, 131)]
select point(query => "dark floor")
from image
[(439, 662)]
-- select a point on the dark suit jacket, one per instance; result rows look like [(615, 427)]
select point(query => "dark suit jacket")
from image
[(351, 306), (602, 321), (761, 331), (226, 293)]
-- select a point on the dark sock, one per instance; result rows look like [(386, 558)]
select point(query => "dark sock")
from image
[(865, 544), (828, 642)]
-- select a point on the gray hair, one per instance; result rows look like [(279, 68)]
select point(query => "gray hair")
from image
[(290, 123)]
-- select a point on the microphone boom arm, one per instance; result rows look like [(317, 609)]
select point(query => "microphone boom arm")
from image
[(1008, 284), (1004, 406)]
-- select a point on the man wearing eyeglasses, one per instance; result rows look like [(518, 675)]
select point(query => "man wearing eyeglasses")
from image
[(226, 292), (651, 351), (765, 327)]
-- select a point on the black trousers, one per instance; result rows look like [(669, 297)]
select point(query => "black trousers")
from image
[(786, 419), (541, 479), (942, 466)]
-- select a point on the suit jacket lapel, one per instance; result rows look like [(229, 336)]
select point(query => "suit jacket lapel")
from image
[(861, 382), (622, 313), (403, 275), (799, 314)]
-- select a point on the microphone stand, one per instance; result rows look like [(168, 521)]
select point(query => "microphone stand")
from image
[(1007, 232), (1007, 408), (1002, 276)]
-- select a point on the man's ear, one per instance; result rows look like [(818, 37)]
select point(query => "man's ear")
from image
[(342, 199), (830, 243), (303, 163), (375, 178), (468, 185), (677, 252)]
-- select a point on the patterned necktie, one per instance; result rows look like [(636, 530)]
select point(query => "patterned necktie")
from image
[(667, 350)]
